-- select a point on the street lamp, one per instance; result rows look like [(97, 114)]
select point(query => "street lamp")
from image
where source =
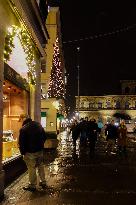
[(78, 80)]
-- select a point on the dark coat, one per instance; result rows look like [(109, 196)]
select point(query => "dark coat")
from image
[(122, 135), (75, 132), (93, 129), (31, 138), (111, 132)]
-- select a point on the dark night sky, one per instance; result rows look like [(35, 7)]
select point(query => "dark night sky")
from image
[(103, 61)]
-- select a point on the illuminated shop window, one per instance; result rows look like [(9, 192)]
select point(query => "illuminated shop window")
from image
[(15, 109), (18, 59)]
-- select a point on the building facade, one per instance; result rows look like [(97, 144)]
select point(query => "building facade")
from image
[(52, 106), (107, 106), (23, 36)]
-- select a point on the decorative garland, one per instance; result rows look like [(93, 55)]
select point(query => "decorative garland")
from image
[(28, 49)]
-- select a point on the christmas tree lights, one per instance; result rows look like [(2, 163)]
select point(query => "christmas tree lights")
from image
[(56, 85), (27, 46)]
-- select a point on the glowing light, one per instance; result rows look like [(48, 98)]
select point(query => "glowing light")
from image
[(56, 85), (10, 30), (77, 114), (18, 62), (10, 43), (56, 104)]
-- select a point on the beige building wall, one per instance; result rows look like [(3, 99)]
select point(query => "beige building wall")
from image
[(89, 106), (51, 114), (51, 24)]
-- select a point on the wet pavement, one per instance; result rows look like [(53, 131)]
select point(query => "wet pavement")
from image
[(76, 178)]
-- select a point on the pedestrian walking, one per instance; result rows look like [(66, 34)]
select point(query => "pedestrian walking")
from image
[(92, 136), (122, 138), (100, 126), (111, 136), (83, 131), (31, 143), (75, 130)]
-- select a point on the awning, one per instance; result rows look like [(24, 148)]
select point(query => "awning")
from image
[(60, 116), (43, 114)]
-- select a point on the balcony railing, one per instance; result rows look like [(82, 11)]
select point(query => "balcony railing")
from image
[(110, 108)]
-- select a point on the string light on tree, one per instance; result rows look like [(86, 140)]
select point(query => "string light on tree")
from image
[(56, 85)]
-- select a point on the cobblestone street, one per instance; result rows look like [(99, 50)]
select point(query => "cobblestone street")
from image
[(74, 177)]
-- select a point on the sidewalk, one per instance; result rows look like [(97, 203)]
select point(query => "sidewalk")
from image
[(74, 178)]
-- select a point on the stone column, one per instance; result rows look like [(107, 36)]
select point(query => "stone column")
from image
[(37, 113), (1, 112), (32, 101)]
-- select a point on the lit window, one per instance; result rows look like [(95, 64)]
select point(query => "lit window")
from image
[(18, 62)]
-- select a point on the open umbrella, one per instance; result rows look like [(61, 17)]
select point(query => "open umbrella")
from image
[(123, 116)]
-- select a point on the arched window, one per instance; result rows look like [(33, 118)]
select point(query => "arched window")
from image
[(91, 105), (108, 104), (117, 105), (82, 104), (126, 105), (99, 105)]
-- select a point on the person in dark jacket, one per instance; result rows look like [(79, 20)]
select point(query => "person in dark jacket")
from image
[(31, 143), (92, 137), (83, 131), (111, 136), (75, 130)]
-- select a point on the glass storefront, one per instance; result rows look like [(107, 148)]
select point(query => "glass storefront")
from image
[(15, 109), (19, 71)]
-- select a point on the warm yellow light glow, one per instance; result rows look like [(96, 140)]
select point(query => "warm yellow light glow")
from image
[(10, 29), (18, 59), (15, 32), (56, 104)]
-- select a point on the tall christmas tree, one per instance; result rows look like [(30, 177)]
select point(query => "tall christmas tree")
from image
[(56, 86)]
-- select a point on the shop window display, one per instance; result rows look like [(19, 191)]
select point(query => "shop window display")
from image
[(10, 145), (15, 105)]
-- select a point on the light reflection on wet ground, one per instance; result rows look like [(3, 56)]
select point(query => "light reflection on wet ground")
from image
[(75, 177)]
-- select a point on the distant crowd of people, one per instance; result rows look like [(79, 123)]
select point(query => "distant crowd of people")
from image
[(89, 130)]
